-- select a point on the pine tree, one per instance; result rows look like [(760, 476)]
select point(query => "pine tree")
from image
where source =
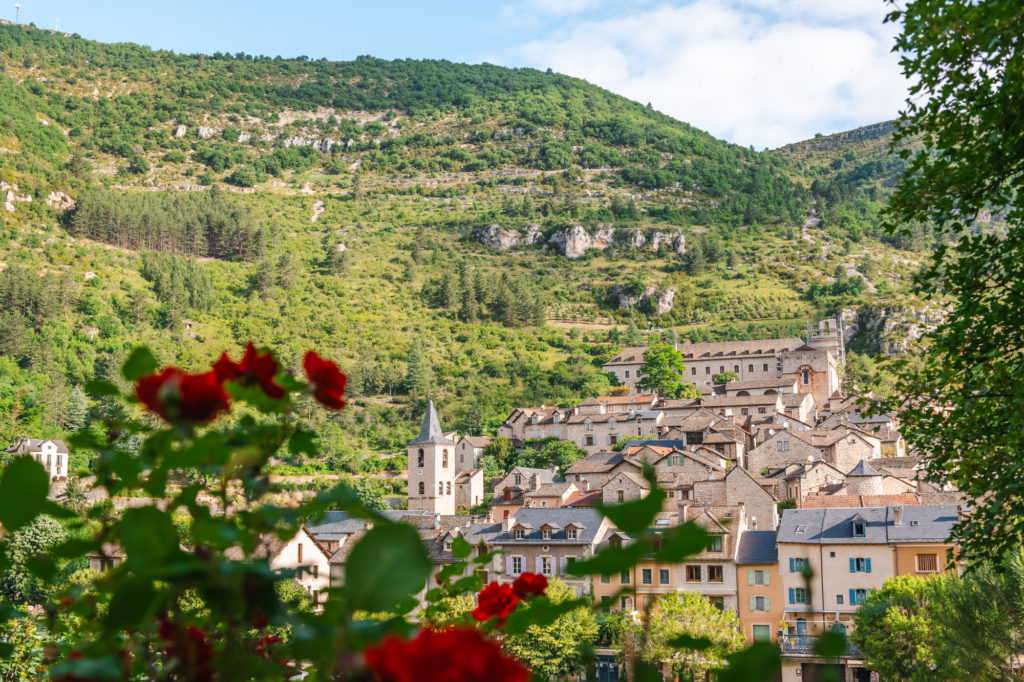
[(418, 375), (633, 337), (77, 410)]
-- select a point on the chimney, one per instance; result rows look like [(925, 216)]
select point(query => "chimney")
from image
[(897, 515), (585, 484), (437, 522), (506, 523)]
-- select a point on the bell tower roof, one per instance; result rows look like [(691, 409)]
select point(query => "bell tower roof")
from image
[(430, 432)]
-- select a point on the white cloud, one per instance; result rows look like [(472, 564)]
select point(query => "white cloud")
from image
[(760, 72)]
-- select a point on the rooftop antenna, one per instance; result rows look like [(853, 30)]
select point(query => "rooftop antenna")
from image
[(17, 13)]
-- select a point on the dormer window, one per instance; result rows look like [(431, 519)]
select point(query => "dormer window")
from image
[(535, 419), (555, 417), (519, 479), (545, 533), (715, 545), (611, 424), (590, 425), (517, 534), (448, 546), (859, 528), (570, 533)]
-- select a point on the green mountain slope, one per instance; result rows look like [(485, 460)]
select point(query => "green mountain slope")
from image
[(306, 203)]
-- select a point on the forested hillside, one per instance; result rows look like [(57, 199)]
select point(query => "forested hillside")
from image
[(194, 202)]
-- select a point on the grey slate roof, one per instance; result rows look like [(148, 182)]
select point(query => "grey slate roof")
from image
[(26, 445), (675, 444), (559, 517), (757, 547), (863, 469), (834, 525), (430, 432)]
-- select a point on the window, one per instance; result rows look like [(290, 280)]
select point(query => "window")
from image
[(419, 458), (693, 371), (761, 410), (627, 373), (860, 565), (544, 503), (736, 368), (762, 633), (590, 426), (545, 565), (806, 377), (715, 574), (717, 602), (707, 370), (316, 571), (590, 440), (517, 565), (839, 599), (721, 369), (447, 546), (422, 489), (715, 545), (606, 579), (647, 576), (859, 529), (624, 578), (570, 533), (462, 459), (750, 368), (449, 487), (765, 367), (744, 411), (782, 445), (858, 597), (796, 564), (444, 458), (663, 576), (517, 534), (613, 439), (693, 574), (927, 563), (799, 595), (519, 479), (545, 533), (440, 487), (755, 577), (611, 424), (760, 604)]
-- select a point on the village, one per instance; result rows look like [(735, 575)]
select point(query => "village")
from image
[(810, 501)]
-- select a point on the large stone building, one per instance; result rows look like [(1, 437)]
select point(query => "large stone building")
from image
[(436, 482)]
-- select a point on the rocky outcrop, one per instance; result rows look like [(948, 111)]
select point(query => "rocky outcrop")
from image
[(205, 132), (675, 241), (180, 131), (575, 241), (503, 240), (658, 302), (890, 329), (60, 201), (11, 196)]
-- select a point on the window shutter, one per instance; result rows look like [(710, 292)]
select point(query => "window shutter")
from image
[(853, 565), (538, 565), (767, 577), (868, 562), (853, 597), (508, 565), (792, 568), (750, 579), (767, 603), (753, 603), (792, 594), (564, 560)]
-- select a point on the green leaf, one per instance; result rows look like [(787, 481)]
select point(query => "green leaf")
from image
[(23, 490), (70, 549), (450, 571), (471, 583), (486, 558), (644, 672), (682, 541), (461, 548), (688, 642), (610, 560), (41, 566), (832, 644), (148, 538), (385, 567), (139, 363), (132, 602), (636, 516), (541, 612), (759, 662), (302, 442), (102, 388)]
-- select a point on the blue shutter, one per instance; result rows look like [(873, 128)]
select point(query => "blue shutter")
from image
[(792, 594), (791, 570), (868, 560), (853, 597), (853, 565)]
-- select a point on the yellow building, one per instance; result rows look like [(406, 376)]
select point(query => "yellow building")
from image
[(760, 602)]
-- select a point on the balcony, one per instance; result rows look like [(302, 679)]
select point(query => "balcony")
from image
[(804, 645)]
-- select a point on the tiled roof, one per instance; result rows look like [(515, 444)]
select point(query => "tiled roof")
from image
[(549, 490), (587, 520), (727, 401), (759, 383), (585, 498), (835, 526), (25, 445), (430, 431), (757, 547), (822, 501), (863, 469), (477, 441), (597, 463)]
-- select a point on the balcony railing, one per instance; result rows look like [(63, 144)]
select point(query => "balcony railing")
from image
[(805, 645)]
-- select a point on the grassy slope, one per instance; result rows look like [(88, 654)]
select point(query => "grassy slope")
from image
[(372, 315)]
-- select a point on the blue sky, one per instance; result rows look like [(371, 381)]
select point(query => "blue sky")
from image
[(754, 72)]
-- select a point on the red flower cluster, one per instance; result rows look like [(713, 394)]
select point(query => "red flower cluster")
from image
[(180, 397), (328, 381), (530, 585), (194, 653), (495, 601), (457, 654), (254, 368)]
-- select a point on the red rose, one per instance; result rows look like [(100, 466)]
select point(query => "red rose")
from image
[(253, 369), (495, 600), (530, 585), (193, 653), (454, 655), (177, 396), (328, 381)]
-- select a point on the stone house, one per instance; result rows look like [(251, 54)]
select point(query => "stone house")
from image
[(759, 588), (550, 495), (594, 432), (535, 423), (469, 488), (303, 553), (106, 558), (510, 492), (52, 454), (759, 407), (738, 389), (800, 406), (797, 481), (545, 541), (815, 369), (468, 451), (842, 447), (617, 404), (713, 571), (739, 489), (624, 486)]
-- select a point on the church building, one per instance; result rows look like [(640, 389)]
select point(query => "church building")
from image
[(436, 484)]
